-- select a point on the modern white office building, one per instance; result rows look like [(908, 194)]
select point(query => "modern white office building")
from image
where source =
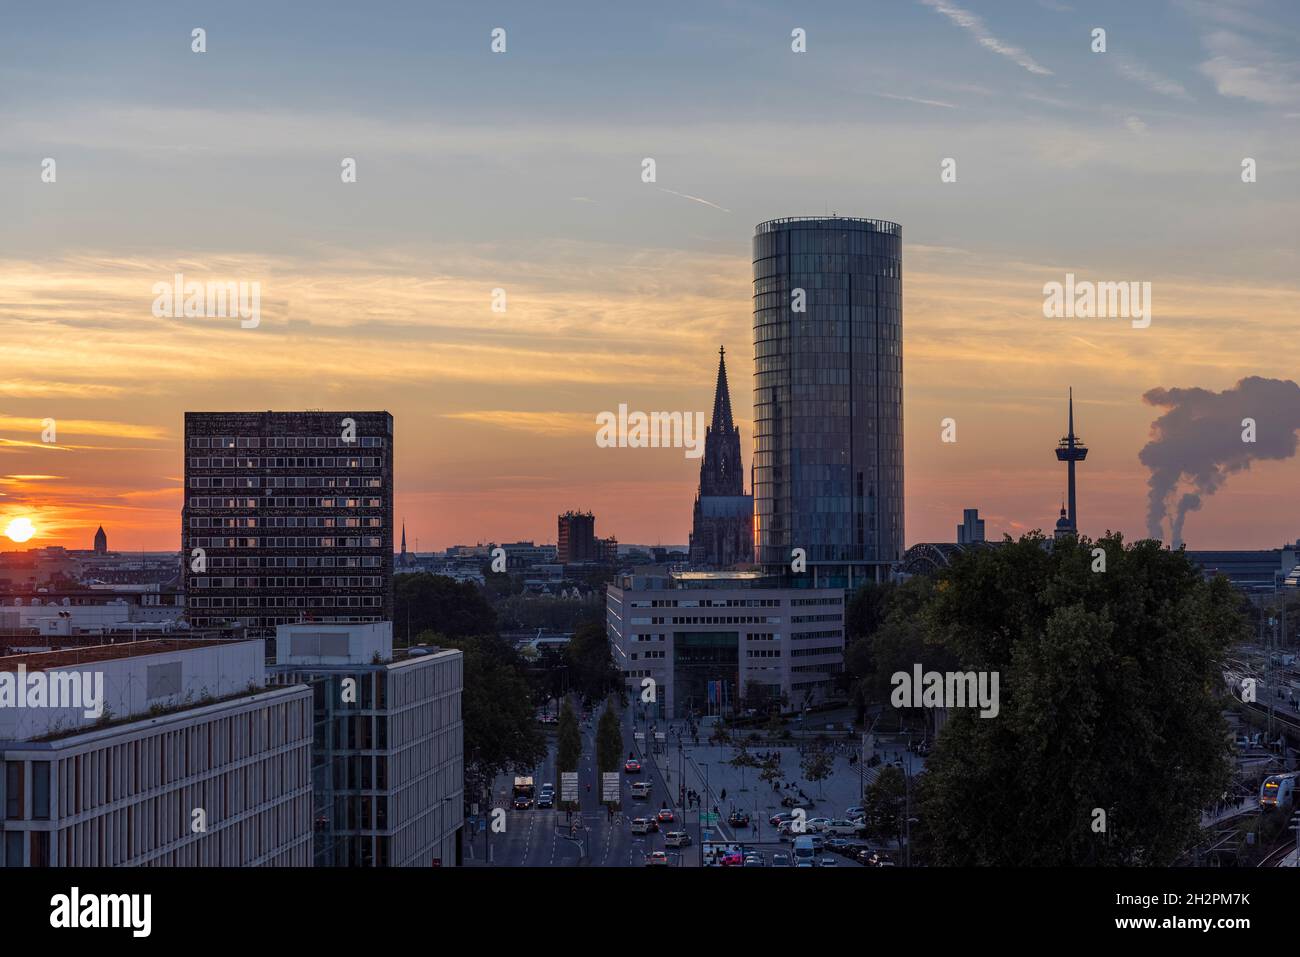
[(388, 759), (167, 752), (716, 641)]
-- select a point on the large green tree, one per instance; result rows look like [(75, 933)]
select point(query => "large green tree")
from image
[(424, 602), (592, 674), (609, 738), (895, 638), (500, 727), (547, 611), (568, 745), (886, 806), (1107, 695)]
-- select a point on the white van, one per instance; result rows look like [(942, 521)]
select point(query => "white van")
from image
[(804, 851), (640, 789)]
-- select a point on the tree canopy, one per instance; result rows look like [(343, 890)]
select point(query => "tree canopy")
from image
[(568, 745), (592, 674), (609, 738), (1108, 701), (500, 727), (440, 604)]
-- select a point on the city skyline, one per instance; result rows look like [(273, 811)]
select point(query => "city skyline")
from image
[(1122, 166)]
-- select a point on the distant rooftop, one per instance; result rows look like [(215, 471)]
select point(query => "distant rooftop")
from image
[(817, 222), (717, 576), (46, 660)]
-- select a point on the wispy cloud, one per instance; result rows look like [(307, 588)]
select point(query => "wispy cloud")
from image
[(973, 25), (537, 423), (19, 443), (693, 199), (916, 99), (123, 430), (1246, 70), (1130, 69)]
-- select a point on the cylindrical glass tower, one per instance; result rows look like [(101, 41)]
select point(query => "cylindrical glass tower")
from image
[(828, 397)]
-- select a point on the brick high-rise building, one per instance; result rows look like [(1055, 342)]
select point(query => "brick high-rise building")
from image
[(576, 538), (293, 514)]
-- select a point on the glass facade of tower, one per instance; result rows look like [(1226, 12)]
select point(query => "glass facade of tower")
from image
[(828, 396)]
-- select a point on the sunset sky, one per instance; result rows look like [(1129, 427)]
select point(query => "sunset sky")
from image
[(522, 171)]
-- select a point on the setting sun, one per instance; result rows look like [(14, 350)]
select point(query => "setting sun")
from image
[(20, 529)]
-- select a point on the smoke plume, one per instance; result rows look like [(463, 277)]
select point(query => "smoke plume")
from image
[(1199, 442)]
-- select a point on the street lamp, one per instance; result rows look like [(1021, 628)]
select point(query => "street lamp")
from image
[(699, 814), (907, 810)]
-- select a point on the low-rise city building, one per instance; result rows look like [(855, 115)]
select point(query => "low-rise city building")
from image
[(714, 642)]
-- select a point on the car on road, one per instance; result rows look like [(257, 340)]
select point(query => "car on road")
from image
[(656, 859), (780, 859), (815, 825), (677, 839), (849, 847), (826, 861), (776, 819), (871, 858), (640, 789), (631, 766), (731, 859), (738, 818), (842, 828), (665, 815), (522, 802), (855, 812), (755, 860), (546, 799), (644, 825)]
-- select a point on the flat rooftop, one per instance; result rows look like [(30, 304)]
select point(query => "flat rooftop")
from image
[(716, 576), (64, 657)]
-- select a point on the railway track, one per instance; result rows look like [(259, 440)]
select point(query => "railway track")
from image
[(1275, 857)]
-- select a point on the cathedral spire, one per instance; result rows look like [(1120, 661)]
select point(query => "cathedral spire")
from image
[(722, 530), (720, 470), (722, 423)]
